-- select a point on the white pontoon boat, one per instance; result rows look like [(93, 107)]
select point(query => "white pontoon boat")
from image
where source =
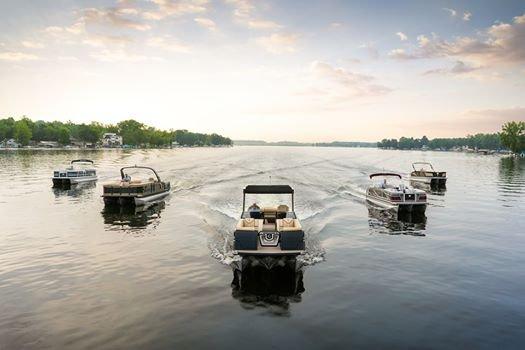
[(135, 192), (74, 174), (426, 174), (391, 192), (269, 231)]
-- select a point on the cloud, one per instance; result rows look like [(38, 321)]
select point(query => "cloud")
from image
[(371, 49), (120, 55), (279, 43), (169, 44), (114, 17), (68, 58), (501, 43), (402, 36), (400, 54), (17, 56), (459, 68), (169, 8), (98, 40), (496, 116), (336, 25), (342, 84), (75, 29), (475, 121), (32, 44), (466, 16), (452, 12), (206, 23), (262, 24), (243, 12)]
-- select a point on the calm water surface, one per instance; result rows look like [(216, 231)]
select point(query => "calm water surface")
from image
[(73, 275)]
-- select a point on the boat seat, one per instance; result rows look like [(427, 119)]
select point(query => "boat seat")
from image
[(283, 208), (268, 227), (288, 225), (249, 224)]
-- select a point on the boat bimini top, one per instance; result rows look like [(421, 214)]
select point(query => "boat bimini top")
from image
[(124, 176), (385, 174), (266, 189), (424, 164), (82, 161)]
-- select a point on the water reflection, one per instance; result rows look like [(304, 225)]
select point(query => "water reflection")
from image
[(391, 222), (438, 190), (255, 285), (511, 177), (75, 192), (120, 217)]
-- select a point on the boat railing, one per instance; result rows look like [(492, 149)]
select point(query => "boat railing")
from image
[(422, 163)]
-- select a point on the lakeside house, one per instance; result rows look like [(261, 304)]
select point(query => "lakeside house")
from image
[(11, 143), (48, 144), (110, 139)]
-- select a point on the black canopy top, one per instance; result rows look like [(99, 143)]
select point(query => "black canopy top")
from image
[(138, 167), (82, 161), (268, 189), (385, 174)]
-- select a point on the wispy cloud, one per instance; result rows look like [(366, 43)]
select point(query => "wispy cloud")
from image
[(459, 68), (32, 44), (402, 36), (169, 8), (466, 16), (500, 43), (168, 43), (111, 41), (279, 43), (17, 56), (206, 23), (340, 84), (244, 13), (114, 17), (119, 55), (452, 12), (373, 52)]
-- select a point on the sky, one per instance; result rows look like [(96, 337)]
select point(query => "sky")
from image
[(306, 70)]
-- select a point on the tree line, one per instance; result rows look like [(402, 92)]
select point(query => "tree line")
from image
[(133, 133), (512, 137)]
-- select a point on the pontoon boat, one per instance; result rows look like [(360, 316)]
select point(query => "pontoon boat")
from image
[(73, 175), (135, 192), (391, 192), (426, 174), (269, 231)]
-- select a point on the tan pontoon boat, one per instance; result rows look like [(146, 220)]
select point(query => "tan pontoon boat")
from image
[(135, 192), (426, 174), (269, 231)]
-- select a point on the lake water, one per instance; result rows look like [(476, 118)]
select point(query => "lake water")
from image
[(75, 276)]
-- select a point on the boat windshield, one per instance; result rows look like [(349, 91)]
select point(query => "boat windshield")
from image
[(268, 201), (422, 166), (385, 181)]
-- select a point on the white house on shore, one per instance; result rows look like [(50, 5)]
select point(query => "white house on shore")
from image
[(11, 143), (110, 139)]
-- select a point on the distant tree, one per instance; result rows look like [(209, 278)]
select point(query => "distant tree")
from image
[(7, 127), (22, 132), (424, 141), (63, 135), (132, 132), (513, 136)]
